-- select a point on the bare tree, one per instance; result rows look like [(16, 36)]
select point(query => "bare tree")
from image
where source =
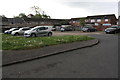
[(36, 9)]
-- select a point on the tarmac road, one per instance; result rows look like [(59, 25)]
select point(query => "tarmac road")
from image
[(99, 61)]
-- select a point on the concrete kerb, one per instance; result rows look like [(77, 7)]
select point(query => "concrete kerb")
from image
[(96, 41)]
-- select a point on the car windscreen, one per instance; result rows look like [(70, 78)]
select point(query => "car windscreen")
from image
[(33, 29), (12, 29), (114, 27), (87, 27)]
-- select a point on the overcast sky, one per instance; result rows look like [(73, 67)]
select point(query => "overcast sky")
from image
[(60, 9)]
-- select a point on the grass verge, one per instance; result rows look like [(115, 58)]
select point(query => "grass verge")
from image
[(20, 43)]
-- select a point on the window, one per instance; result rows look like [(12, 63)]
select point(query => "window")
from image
[(98, 20), (106, 20), (73, 21), (106, 24), (25, 29), (43, 28), (92, 20), (96, 24)]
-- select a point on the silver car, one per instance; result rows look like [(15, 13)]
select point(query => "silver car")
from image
[(10, 30), (39, 31), (20, 31)]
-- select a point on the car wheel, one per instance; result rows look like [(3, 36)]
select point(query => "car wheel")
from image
[(106, 32), (33, 35), (50, 34), (16, 34), (88, 30), (115, 32)]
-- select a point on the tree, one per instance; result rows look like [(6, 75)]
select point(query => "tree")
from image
[(36, 9), (45, 16), (3, 16), (82, 22), (37, 16), (21, 15), (39, 13)]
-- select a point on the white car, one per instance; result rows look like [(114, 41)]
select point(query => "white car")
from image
[(62, 29), (10, 30), (20, 31), (39, 31)]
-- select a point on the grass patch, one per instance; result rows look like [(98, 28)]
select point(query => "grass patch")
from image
[(20, 43)]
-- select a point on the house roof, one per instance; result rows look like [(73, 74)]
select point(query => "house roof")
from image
[(103, 16), (78, 18), (95, 16), (41, 19), (15, 20)]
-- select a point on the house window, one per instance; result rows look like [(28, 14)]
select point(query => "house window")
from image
[(92, 20), (98, 20), (96, 24), (106, 20), (106, 24), (78, 21), (73, 21)]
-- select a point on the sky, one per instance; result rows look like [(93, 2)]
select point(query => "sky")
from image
[(60, 9)]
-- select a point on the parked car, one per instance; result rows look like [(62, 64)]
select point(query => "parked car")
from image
[(53, 29), (10, 30), (20, 31), (113, 29), (39, 31), (89, 29), (66, 29)]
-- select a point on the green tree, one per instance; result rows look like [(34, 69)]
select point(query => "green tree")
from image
[(21, 15), (45, 16), (37, 16), (82, 22)]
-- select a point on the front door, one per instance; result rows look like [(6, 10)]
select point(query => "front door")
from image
[(42, 31)]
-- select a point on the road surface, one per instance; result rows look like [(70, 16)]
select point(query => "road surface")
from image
[(99, 61)]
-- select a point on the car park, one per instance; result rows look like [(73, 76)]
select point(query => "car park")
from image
[(10, 30), (39, 31), (89, 29), (20, 31), (113, 29)]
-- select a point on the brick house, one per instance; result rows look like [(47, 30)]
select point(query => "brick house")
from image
[(100, 22)]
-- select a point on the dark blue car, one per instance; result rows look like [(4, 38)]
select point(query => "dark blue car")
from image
[(113, 30)]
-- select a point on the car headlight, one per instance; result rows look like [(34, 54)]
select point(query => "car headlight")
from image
[(13, 32), (26, 33)]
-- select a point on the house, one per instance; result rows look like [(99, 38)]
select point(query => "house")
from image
[(76, 22), (100, 22)]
